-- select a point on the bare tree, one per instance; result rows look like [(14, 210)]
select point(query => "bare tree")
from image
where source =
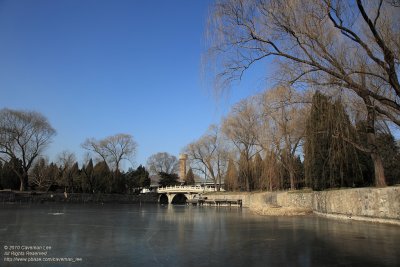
[(93, 145), (243, 128), (162, 162), (41, 174), (23, 136), (329, 42), (66, 161), (208, 155), (112, 149), (332, 43), (284, 117)]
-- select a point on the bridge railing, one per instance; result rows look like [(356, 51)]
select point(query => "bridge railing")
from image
[(185, 188)]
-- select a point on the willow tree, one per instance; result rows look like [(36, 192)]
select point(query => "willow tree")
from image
[(328, 158), (208, 155), (353, 45), (272, 172), (284, 116), (257, 170), (242, 128), (23, 137)]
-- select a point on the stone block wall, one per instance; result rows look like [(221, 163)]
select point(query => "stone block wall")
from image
[(244, 196), (294, 199), (383, 203), (369, 204)]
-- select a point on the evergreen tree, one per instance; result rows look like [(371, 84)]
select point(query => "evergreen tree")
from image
[(101, 175), (137, 179), (74, 182), (131, 182), (189, 179), (118, 184), (9, 179), (231, 177), (168, 179), (87, 177), (143, 177), (390, 152)]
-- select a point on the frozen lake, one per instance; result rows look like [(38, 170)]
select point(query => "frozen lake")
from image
[(152, 235)]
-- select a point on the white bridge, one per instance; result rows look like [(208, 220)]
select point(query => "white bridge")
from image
[(188, 191)]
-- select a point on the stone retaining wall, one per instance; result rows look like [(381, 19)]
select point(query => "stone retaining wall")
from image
[(383, 203), (368, 204)]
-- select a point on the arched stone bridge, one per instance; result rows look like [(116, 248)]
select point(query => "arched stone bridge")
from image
[(187, 191)]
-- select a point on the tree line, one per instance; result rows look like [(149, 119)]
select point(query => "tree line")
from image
[(69, 177), (336, 94), (282, 139), (24, 135)]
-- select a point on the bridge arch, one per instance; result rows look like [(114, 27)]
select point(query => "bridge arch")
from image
[(163, 199), (179, 198)]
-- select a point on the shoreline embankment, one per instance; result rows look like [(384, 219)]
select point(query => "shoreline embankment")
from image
[(8, 196), (380, 205)]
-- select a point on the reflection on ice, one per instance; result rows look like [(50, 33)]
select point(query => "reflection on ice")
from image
[(153, 235)]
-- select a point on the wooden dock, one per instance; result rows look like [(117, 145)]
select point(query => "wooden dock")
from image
[(215, 202)]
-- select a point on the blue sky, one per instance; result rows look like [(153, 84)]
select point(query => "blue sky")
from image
[(98, 68)]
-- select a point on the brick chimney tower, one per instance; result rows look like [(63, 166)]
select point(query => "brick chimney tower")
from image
[(182, 166)]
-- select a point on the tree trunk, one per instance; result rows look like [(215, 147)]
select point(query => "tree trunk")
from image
[(248, 173), (24, 181), (291, 175), (22, 186), (290, 169), (380, 180)]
